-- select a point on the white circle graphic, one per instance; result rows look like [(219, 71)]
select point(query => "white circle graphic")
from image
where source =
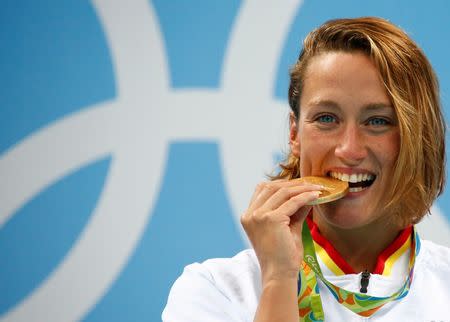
[(135, 128)]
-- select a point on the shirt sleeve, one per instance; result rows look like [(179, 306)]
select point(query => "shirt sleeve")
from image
[(195, 297)]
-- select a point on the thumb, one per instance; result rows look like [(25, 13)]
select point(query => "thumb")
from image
[(297, 219), (296, 225)]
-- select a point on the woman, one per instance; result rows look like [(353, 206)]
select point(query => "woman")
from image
[(364, 109)]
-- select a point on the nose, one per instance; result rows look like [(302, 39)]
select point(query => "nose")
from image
[(351, 145)]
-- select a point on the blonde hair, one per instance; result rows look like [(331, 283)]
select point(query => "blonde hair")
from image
[(412, 86)]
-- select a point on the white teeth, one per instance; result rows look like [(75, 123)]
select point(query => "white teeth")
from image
[(353, 178), (356, 189)]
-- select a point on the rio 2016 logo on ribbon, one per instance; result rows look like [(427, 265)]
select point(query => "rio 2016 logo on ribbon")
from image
[(104, 153)]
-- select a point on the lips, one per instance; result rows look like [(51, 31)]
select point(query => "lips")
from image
[(356, 181)]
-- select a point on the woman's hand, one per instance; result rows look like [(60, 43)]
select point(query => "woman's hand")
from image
[(273, 223)]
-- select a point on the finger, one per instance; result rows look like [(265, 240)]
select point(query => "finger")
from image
[(265, 190), (285, 193), (262, 185), (293, 205), (298, 218)]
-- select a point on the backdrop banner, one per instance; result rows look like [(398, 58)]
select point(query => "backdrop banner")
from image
[(132, 135)]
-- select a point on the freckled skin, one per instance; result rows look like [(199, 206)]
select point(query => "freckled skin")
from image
[(347, 123)]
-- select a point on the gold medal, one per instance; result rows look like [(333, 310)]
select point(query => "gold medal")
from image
[(333, 189)]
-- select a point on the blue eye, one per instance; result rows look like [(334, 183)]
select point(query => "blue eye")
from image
[(378, 121), (326, 118)]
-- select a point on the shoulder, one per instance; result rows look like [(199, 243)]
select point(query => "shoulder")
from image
[(437, 254), (218, 288), (231, 276), (243, 265), (434, 259), (431, 272)]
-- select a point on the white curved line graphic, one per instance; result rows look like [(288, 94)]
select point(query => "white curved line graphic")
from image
[(136, 129), (146, 113), (57, 150), (255, 47), (124, 206)]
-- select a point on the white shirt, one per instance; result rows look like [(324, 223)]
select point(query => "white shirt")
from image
[(228, 290)]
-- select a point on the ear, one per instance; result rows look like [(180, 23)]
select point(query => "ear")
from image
[(294, 142)]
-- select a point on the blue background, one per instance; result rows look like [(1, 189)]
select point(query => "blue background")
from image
[(55, 61)]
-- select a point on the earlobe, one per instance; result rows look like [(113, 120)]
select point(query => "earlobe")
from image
[(294, 142)]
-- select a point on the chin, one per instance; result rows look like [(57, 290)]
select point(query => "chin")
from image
[(343, 217)]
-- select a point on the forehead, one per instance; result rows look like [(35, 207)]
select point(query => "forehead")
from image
[(342, 67), (343, 77)]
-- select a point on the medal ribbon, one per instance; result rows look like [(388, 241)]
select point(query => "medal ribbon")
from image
[(309, 301)]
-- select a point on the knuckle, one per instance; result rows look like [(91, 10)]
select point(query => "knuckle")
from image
[(260, 186), (269, 216), (263, 219), (298, 198), (260, 216), (250, 217), (295, 202), (271, 188), (245, 223), (257, 213), (284, 191)]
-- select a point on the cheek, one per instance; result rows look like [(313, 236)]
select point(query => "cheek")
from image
[(314, 150), (388, 149)]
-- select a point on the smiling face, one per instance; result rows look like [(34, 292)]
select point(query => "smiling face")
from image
[(348, 129)]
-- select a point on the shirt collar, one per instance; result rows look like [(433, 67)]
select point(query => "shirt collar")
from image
[(337, 264)]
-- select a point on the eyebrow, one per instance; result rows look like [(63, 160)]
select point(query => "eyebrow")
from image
[(378, 106), (368, 107), (322, 103)]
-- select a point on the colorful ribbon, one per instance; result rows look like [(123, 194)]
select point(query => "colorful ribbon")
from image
[(309, 301)]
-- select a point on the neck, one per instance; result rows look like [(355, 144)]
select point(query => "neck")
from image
[(359, 247)]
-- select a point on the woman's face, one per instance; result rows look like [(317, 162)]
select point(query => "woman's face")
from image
[(347, 129)]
